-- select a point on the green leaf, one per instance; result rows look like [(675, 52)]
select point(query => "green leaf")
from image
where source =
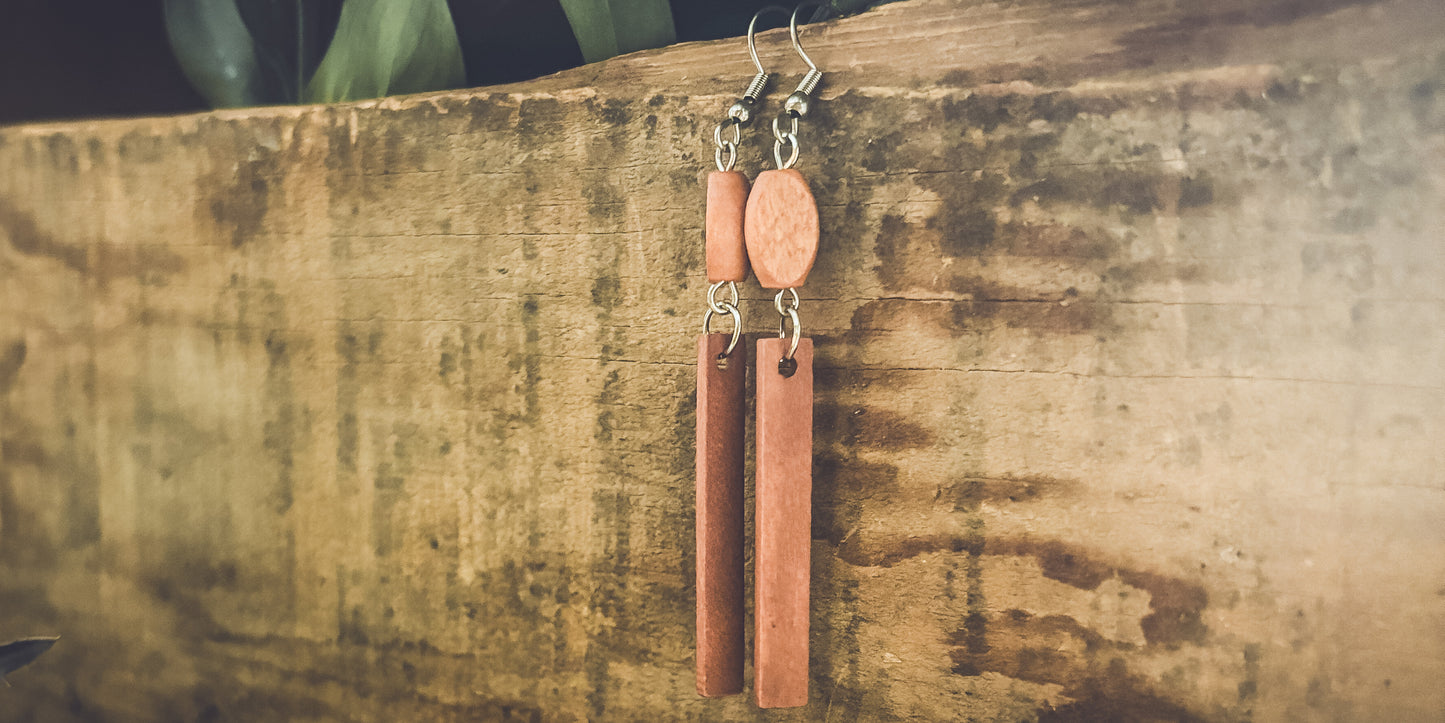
[(605, 28), (16, 654), (215, 51), (290, 37), (845, 7), (389, 47)]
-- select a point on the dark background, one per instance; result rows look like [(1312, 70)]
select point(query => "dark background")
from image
[(86, 58)]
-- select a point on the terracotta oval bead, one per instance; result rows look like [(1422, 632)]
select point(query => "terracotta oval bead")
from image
[(727, 255), (781, 229)]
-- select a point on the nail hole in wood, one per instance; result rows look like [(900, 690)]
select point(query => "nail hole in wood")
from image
[(722, 362), (787, 367)]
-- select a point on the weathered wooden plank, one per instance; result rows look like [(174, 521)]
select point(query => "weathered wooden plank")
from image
[(1129, 380)]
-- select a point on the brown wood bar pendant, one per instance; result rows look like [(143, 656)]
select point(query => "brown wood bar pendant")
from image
[(783, 524), (720, 427)]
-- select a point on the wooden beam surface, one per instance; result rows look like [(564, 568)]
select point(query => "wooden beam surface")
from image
[(1130, 382)]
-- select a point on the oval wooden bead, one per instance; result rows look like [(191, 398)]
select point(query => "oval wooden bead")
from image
[(781, 229), (727, 254)]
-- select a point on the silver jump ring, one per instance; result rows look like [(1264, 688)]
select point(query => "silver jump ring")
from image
[(786, 314), (732, 160), (722, 307), (731, 146), (785, 138), (797, 331), (792, 155), (737, 328), (778, 301), (737, 131), (792, 127)]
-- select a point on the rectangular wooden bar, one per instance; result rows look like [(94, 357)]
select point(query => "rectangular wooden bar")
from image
[(784, 525), (720, 428)]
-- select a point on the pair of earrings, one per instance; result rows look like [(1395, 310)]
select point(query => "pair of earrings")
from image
[(768, 228)]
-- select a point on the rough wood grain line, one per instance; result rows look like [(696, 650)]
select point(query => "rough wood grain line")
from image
[(781, 229), (784, 490), (727, 253), (721, 421), (1128, 382)]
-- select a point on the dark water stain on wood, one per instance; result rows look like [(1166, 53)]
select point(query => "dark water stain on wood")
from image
[(1036, 239), (842, 485), (1183, 42), (1136, 189), (865, 552), (27, 545), (490, 114), (64, 153), (12, 356), (612, 595), (140, 148), (99, 260), (834, 666), (1069, 313), (396, 445), (530, 366), (871, 427), (342, 159), (358, 350), (21, 448), (1176, 605), (684, 429), (348, 348), (510, 606), (1057, 650), (611, 112), (967, 493), (240, 197), (609, 598), (284, 429), (539, 120), (1196, 191), (1019, 165), (1249, 687), (76, 459), (973, 636), (389, 490)]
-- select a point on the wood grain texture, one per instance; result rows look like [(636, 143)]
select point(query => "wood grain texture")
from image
[(727, 253), (781, 229), (721, 427), (784, 491), (1129, 373)]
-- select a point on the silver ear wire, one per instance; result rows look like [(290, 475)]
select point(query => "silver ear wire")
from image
[(785, 141), (797, 104), (742, 111)]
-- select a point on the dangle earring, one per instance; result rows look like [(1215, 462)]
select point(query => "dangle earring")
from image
[(781, 233), (721, 375)]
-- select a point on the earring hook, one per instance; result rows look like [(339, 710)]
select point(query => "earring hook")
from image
[(797, 104), (753, 31), (793, 31), (741, 112)]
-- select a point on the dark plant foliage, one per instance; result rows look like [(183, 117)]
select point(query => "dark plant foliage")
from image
[(19, 653)]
